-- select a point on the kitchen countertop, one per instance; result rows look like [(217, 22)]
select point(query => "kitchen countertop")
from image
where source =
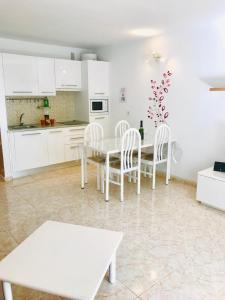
[(39, 127)]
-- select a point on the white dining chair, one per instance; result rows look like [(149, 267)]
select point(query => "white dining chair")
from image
[(92, 135), (121, 128), (128, 163), (161, 153)]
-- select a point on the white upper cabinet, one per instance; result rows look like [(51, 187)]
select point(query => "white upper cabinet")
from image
[(98, 79), (68, 75), (28, 75), (20, 75), (46, 76)]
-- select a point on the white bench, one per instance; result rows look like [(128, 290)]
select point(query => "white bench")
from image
[(211, 188), (62, 259)]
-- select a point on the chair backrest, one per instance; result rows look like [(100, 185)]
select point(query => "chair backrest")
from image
[(130, 145), (162, 142), (121, 128), (93, 133)]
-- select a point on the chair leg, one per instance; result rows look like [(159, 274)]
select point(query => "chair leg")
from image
[(85, 170), (149, 171), (153, 175), (139, 181), (107, 178), (129, 177), (121, 187), (102, 180), (82, 168), (98, 177), (167, 171), (145, 170), (134, 177)]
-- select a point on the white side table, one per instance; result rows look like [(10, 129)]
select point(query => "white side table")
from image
[(211, 188), (62, 259)]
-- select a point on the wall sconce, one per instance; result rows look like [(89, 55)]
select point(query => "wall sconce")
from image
[(156, 56)]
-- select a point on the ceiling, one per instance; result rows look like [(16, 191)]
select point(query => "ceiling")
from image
[(93, 23)]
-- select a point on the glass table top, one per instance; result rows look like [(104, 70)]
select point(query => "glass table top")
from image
[(113, 145)]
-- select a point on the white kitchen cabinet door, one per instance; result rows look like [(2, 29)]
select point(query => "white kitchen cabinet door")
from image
[(30, 150), (56, 146), (20, 75), (72, 152), (68, 74), (98, 79), (46, 76), (104, 121)]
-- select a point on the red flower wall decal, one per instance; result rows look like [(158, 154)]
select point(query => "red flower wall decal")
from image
[(157, 110)]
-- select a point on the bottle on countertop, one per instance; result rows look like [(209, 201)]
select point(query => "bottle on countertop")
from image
[(47, 120), (141, 130), (46, 111), (46, 102)]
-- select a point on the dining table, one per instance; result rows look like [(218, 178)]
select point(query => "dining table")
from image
[(110, 147)]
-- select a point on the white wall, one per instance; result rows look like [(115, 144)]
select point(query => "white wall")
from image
[(197, 116), (3, 126), (31, 48)]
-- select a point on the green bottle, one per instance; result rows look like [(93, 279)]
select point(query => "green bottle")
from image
[(46, 103), (141, 130)]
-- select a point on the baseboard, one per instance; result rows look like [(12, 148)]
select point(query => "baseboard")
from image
[(178, 179), (6, 179), (42, 169)]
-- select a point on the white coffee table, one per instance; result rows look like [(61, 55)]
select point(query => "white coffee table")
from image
[(62, 259)]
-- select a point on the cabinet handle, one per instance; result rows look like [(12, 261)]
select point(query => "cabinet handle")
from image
[(69, 84), (72, 147), (99, 93), (22, 92), (56, 131), (47, 92), (99, 118), (33, 133)]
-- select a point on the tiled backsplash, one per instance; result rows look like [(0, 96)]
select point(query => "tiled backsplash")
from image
[(62, 108)]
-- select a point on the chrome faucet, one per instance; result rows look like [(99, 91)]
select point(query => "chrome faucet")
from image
[(21, 118)]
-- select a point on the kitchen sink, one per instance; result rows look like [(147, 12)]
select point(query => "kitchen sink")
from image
[(23, 127)]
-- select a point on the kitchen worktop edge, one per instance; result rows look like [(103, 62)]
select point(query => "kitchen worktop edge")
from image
[(39, 127)]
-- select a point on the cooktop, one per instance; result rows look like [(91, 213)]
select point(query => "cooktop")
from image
[(73, 122)]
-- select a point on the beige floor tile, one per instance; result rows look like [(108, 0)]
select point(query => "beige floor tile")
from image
[(114, 292), (173, 247)]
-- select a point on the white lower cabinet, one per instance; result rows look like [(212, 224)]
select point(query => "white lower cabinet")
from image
[(30, 150), (73, 139), (72, 152), (211, 188), (38, 148), (56, 146)]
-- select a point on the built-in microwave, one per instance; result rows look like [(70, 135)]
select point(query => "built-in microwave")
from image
[(99, 106)]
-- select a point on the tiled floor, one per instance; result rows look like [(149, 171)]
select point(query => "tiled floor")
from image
[(173, 248)]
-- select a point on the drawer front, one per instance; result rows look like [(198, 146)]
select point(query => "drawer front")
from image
[(75, 130), (74, 140)]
